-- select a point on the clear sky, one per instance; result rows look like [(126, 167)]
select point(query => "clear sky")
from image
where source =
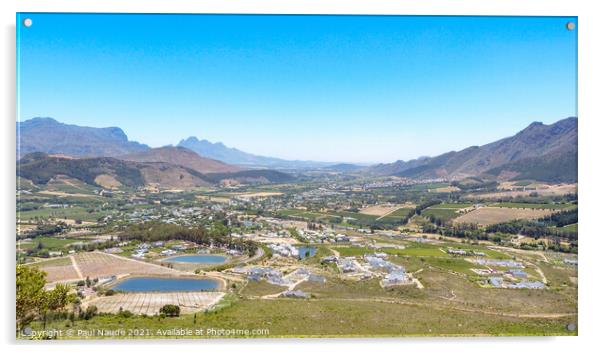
[(328, 88)]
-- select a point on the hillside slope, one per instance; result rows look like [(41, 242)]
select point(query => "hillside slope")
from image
[(541, 152), (40, 168), (183, 157)]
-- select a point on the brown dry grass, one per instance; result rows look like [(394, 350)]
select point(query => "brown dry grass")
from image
[(107, 181)]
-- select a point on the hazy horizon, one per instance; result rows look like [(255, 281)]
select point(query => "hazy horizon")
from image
[(354, 89)]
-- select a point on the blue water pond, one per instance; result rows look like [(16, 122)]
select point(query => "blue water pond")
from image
[(158, 284)]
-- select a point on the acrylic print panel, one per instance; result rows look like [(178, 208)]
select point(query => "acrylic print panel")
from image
[(261, 176)]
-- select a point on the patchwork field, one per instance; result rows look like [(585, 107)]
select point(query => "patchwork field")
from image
[(491, 215), (99, 265), (447, 211), (150, 303)]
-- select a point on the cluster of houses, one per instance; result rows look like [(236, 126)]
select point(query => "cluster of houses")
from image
[(317, 237), (186, 216), (285, 250), (393, 274), (276, 277), (375, 265), (143, 249), (269, 274), (512, 275)]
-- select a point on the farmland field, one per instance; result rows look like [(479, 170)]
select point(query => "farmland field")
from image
[(492, 215), (63, 213), (378, 210), (541, 190), (541, 206), (150, 303), (98, 265)]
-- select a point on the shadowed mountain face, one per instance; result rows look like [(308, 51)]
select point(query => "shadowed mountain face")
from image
[(541, 152), (150, 169), (40, 168), (50, 136), (183, 157)]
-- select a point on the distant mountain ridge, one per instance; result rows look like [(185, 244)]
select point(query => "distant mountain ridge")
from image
[(541, 152), (231, 155), (50, 136)]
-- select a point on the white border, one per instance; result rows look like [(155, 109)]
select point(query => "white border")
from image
[(589, 164)]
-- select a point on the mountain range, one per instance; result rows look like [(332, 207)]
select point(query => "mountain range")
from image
[(539, 152), (50, 136)]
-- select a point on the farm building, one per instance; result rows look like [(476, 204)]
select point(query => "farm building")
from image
[(396, 277)]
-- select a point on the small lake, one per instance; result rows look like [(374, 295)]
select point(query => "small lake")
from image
[(158, 284), (197, 259), (306, 251)]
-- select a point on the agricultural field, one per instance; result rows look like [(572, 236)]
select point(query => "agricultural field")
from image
[(51, 243), (378, 210), (395, 216), (447, 211), (539, 189), (150, 303), (537, 206), (492, 215), (99, 265), (71, 213)]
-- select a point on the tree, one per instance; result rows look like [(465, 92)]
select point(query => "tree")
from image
[(31, 296), (56, 299), (170, 310), (89, 313), (59, 297), (33, 300)]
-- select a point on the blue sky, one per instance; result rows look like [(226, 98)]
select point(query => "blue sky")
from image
[(330, 88)]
